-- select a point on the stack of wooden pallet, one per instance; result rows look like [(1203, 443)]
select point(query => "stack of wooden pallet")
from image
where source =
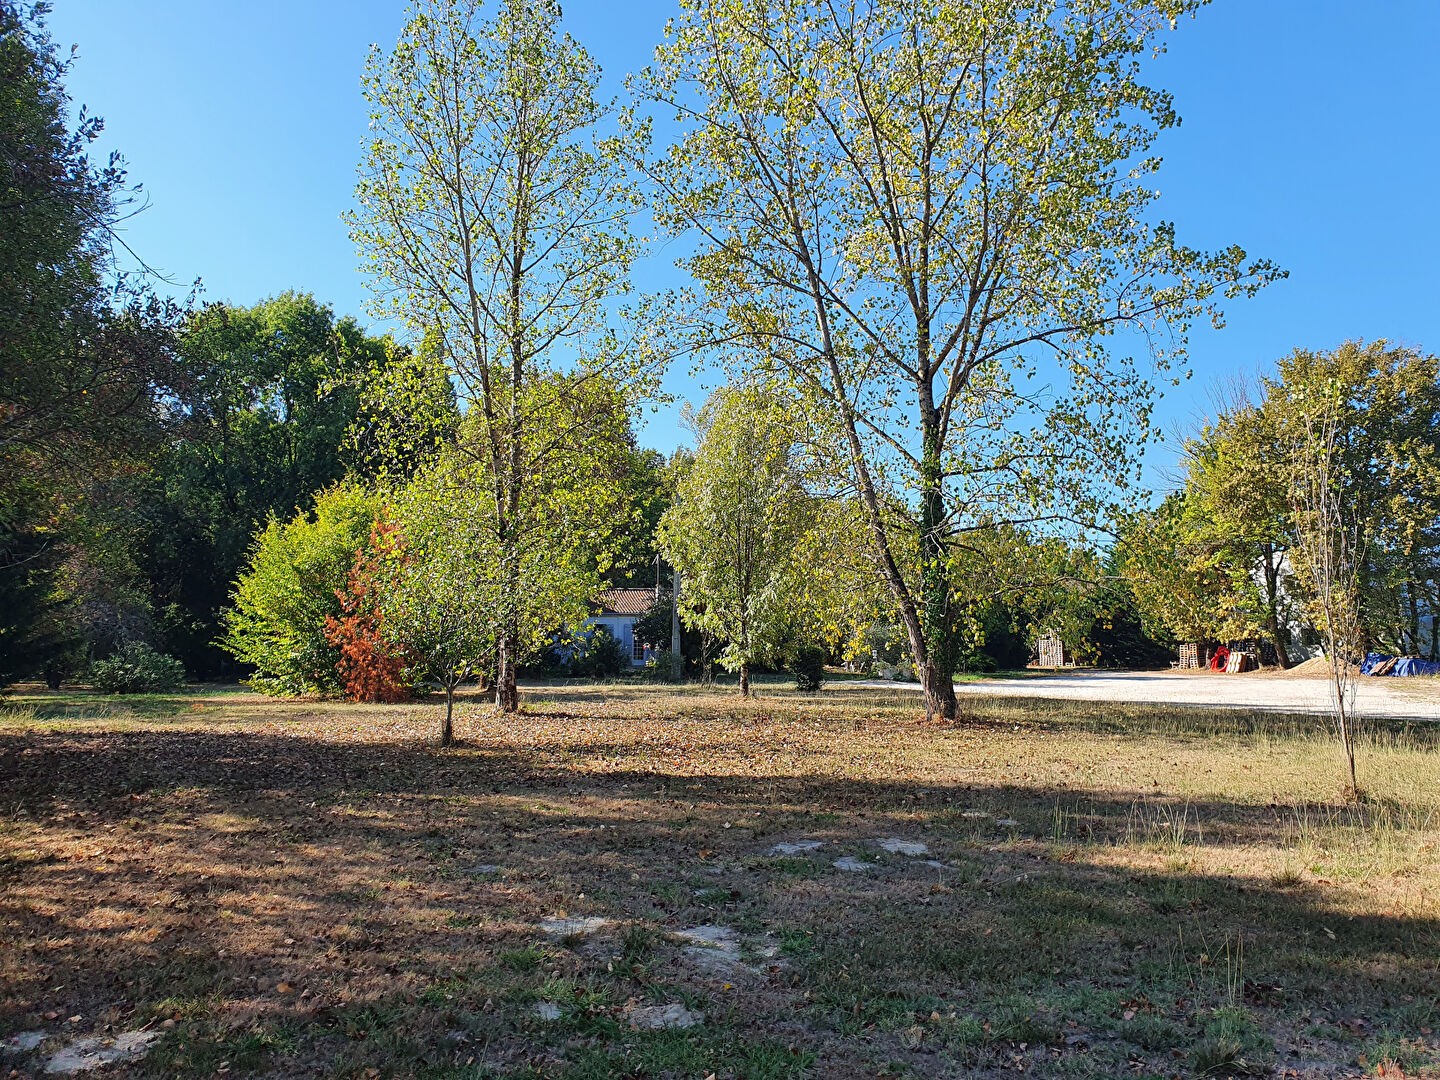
[(1052, 651)]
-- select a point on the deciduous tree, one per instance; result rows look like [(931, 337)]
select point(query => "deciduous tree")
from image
[(734, 530), (938, 221), (494, 217)]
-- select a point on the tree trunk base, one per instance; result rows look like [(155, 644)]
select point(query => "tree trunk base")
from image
[(941, 705)]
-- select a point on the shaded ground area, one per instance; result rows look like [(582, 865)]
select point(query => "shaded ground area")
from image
[(628, 881), (1382, 698)]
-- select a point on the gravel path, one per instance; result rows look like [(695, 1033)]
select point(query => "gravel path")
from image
[(1400, 699)]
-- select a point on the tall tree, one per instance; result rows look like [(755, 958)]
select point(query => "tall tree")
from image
[(1232, 533), (736, 525), (88, 375), (936, 220), (1382, 402), (494, 216)]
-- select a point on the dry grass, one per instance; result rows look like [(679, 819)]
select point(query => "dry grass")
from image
[(297, 888)]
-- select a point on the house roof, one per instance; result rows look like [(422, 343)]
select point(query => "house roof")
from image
[(626, 601)]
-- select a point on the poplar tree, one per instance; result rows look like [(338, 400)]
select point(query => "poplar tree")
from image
[(493, 218), (937, 220)]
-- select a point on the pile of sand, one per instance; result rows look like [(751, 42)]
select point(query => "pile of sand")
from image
[(1317, 667)]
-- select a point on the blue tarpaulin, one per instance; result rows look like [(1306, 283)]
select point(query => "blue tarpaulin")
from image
[(1409, 665), (1405, 665)]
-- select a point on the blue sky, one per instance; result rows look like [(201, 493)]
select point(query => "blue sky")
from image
[(1310, 137)]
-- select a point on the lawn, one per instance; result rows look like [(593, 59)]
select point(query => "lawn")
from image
[(315, 889)]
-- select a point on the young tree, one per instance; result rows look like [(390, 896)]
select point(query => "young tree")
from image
[(494, 218), (1330, 540), (438, 604), (937, 224), (739, 514), (371, 667)]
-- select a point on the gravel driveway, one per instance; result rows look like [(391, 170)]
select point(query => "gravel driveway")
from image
[(1400, 699)]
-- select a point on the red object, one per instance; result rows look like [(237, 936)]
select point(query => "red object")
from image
[(369, 667), (1219, 660)]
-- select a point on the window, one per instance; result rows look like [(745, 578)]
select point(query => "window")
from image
[(637, 649)]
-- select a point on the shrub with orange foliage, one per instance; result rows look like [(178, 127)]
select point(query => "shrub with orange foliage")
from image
[(371, 668)]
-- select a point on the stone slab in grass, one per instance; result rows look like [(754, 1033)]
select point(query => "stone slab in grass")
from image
[(97, 1052), (714, 937), (895, 846), (582, 926), (662, 1017), (483, 870), (715, 950), (547, 1010), (23, 1042), (1007, 823), (850, 864), (795, 847)]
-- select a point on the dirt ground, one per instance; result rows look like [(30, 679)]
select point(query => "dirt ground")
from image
[(632, 881)]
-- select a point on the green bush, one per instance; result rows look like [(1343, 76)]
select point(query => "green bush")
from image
[(808, 667), (136, 668), (277, 621), (660, 666), (599, 656)]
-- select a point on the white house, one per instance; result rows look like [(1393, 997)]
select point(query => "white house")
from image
[(619, 610)]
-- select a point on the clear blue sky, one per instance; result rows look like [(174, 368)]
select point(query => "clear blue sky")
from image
[(1309, 137)]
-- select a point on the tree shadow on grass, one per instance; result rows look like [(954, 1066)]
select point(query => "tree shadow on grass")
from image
[(146, 871)]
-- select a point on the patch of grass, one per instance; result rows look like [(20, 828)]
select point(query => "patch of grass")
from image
[(1151, 1032), (1390, 1054), (682, 1053), (1233, 1045), (637, 951), (790, 866), (527, 958), (201, 1050)]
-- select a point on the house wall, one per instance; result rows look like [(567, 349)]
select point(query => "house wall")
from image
[(622, 629)]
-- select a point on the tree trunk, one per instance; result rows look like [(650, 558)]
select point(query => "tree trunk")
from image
[(1277, 632), (934, 651), (744, 680), (447, 731), (939, 686), (677, 662), (1414, 619), (507, 695)]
